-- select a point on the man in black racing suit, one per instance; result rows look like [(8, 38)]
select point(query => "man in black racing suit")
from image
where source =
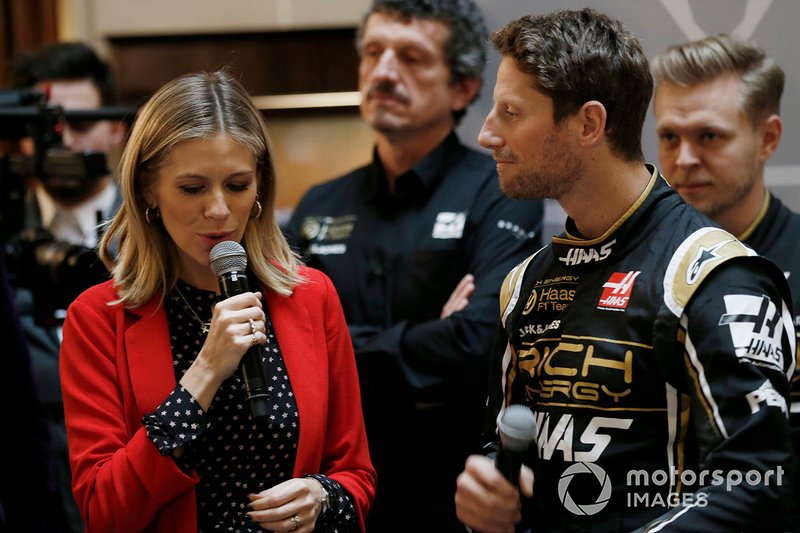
[(654, 348), (658, 354)]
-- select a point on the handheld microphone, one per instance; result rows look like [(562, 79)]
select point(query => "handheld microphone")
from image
[(517, 428), (228, 260)]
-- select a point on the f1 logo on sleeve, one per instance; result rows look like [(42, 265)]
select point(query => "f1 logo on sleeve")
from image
[(617, 291)]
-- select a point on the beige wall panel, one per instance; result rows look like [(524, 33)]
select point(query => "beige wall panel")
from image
[(159, 17), (316, 149)]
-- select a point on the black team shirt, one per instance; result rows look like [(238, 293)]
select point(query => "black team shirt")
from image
[(395, 257)]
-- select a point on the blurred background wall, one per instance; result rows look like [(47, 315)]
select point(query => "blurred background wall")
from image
[(287, 52)]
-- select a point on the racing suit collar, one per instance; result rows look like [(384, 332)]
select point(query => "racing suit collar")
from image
[(574, 251)]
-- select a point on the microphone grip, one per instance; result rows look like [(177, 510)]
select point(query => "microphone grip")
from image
[(233, 283), (509, 462), (255, 382), (254, 376)]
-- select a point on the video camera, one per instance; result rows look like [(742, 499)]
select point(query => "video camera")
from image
[(55, 272)]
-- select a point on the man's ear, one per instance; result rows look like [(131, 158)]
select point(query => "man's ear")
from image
[(464, 92), (591, 121), (770, 133)]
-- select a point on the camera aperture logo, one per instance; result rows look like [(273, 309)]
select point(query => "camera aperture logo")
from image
[(584, 508)]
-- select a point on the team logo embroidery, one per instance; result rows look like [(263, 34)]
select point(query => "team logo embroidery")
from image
[(578, 255), (756, 329), (327, 228), (530, 303), (617, 290), (449, 225), (554, 294), (703, 257)]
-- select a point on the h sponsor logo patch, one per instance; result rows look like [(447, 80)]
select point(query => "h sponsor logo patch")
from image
[(756, 329), (449, 225), (617, 291)]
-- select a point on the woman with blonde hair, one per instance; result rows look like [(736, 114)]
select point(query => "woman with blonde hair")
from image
[(160, 437)]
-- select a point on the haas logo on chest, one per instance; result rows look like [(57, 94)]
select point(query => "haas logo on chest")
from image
[(617, 291)]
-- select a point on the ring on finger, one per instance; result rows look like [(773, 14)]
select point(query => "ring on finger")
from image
[(254, 338), (252, 326), (295, 522)]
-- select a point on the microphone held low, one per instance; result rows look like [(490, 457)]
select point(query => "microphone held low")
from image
[(517, 428)]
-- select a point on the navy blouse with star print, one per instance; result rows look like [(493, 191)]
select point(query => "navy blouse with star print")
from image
[(233, 455)]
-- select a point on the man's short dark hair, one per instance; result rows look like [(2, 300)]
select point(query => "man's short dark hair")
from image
[(578, 56), (64, 61)]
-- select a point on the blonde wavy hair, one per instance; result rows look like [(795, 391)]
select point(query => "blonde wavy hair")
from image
[(194, 106)]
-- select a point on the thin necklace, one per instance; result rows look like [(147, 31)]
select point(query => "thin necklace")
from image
[(204, 326)]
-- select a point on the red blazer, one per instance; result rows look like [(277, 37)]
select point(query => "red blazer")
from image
[(116, 366)]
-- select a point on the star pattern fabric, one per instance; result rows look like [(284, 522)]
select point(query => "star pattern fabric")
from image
[(233, 454)]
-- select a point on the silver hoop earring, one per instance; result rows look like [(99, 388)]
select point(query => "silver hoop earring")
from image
[(156, 215), (258, 214)]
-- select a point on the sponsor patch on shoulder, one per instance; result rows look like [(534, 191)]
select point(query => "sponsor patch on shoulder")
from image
[(703, 256), (756, 329), (696, 257)]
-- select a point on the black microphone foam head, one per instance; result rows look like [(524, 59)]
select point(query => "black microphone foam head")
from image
[(517, 427), (227, 256)]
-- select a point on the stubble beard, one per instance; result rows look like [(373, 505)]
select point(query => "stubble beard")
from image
[(555, 175)]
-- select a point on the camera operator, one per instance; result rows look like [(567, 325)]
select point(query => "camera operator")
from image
[(75, 78), (67, 212)]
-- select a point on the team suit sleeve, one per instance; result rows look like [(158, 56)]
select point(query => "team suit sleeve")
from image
[(738, 340)]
